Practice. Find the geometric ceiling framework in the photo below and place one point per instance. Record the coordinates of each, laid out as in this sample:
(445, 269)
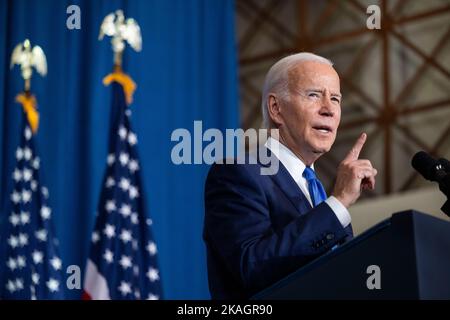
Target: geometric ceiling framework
(395, 81)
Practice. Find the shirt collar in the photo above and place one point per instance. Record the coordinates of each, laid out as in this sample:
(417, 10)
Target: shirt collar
(292, 163)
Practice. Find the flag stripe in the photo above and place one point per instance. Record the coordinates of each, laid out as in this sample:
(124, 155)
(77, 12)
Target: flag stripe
(95, 284)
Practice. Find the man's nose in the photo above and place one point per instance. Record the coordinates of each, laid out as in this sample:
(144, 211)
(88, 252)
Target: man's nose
(327, 107)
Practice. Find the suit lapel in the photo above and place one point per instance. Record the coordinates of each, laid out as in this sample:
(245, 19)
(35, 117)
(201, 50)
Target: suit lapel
(292, 191)
(289, 187)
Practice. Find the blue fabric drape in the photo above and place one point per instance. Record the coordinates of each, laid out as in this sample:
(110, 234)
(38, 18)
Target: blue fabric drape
(185, 72)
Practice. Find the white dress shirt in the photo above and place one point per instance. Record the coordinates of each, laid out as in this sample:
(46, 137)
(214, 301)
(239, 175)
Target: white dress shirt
(295, 167)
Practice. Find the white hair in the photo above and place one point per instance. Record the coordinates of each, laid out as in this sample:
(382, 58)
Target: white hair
(277, 79)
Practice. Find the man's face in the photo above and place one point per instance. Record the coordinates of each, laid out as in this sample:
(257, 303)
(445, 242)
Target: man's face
(311, 116)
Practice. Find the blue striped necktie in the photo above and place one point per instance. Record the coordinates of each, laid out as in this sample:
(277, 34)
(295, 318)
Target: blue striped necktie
(316, 190)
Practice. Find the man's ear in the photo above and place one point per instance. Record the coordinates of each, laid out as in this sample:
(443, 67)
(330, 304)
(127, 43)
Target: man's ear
(274, 109)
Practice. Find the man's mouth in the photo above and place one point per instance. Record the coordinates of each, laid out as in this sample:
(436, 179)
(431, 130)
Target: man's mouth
(323, 129)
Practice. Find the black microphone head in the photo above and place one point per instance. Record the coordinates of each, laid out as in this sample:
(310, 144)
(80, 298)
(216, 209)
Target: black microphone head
(445, 164)
(425, 165)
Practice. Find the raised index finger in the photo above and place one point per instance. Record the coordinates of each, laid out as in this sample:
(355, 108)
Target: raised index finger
(354, 152)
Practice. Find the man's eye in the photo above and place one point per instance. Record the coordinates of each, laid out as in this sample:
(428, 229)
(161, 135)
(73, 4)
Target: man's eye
(313, 94)
(336, 100)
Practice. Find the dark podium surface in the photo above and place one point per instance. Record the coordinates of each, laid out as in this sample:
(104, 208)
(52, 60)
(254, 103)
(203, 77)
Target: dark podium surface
(411, 249)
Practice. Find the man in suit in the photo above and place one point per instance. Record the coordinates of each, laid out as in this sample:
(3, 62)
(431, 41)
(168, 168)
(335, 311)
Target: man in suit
(259, 228)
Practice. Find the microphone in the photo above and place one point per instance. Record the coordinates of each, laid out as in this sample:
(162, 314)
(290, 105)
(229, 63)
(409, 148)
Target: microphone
(434, 170)
(430, 168)
(445, 164)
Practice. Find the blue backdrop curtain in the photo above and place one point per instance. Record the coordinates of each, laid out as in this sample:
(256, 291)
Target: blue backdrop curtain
(185, 72)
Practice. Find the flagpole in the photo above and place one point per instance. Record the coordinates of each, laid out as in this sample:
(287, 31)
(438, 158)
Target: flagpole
(118, 61)
(27, 87)
(122, 263)
(34, 266)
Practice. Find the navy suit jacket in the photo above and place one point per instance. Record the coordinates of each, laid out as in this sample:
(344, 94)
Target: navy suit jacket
(258, 229)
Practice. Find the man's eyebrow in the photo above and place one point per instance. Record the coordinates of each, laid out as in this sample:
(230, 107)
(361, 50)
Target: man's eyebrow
(321, 91)
(314, 90)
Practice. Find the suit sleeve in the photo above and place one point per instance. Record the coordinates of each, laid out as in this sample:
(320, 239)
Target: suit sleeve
(238, 228)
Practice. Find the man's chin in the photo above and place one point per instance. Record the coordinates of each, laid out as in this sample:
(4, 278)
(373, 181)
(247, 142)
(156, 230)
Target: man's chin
(321, 150)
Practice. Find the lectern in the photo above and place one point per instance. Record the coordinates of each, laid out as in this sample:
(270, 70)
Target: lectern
(409, 254)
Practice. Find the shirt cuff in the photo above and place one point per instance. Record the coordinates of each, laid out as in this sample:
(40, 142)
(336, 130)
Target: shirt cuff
(340, 211)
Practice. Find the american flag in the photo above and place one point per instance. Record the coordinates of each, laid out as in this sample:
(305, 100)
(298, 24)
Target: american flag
(123, 259)
(30, 265)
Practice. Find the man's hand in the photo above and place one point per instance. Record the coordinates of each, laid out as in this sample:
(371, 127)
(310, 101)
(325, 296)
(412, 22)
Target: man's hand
(354, 175)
